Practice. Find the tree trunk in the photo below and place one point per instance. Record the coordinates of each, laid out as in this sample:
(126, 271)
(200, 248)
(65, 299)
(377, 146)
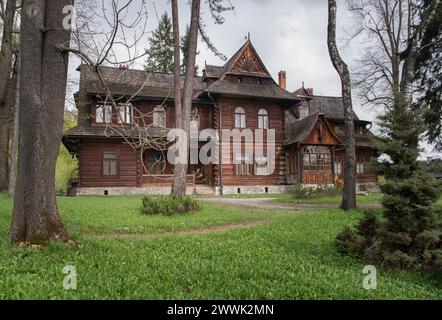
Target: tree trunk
(179, 186)
(349, 192)
(5, 75)
(14, 138)
(179, 170)
(43, 80)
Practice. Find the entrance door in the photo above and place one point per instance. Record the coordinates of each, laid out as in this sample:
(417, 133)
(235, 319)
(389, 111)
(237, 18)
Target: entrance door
(317, 165)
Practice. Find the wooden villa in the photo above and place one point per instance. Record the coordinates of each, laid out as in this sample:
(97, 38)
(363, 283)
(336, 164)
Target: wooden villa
(309, 131)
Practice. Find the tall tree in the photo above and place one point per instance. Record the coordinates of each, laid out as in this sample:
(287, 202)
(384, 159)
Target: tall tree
(184, 45)
(349, 192)
(179, 178)
(429, 77)
(409, 234)
(160, 53)
(43, 77)
(14, 137)
(179, 183)
(6, 55)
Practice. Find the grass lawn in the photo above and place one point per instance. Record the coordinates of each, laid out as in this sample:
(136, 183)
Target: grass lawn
(290, 198)
(123, 255)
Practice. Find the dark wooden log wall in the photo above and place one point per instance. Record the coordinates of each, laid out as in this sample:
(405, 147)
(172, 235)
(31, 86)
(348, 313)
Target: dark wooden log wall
(251, 107)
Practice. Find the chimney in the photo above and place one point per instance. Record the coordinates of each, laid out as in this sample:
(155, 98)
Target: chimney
(123, 67)
(309, 91)
(282, 79)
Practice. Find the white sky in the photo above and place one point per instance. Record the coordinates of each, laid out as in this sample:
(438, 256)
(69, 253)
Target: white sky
(289, 35)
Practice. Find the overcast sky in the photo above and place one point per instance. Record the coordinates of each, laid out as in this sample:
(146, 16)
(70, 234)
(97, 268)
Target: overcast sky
(289, 35)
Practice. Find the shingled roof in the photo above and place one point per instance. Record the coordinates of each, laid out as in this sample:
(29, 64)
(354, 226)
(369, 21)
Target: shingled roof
(271, 91)
(130, 82)
(213, 71)
(331, 107)
(245, 62)
(300, 129)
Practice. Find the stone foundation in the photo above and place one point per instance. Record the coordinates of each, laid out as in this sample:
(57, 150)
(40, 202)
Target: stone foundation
(129, 191)
(254, 189)
(367, 187)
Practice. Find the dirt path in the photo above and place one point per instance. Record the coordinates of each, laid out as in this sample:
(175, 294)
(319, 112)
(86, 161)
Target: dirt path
(274, 204)
(205, 230)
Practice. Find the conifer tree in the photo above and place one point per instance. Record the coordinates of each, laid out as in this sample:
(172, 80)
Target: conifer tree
(160, 52)
(407, 232)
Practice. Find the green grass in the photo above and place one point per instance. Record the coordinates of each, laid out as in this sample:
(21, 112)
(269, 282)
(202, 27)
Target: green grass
(291, 256)
(371, 198)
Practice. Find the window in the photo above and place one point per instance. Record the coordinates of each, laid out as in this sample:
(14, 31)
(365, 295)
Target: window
(159, 117)
(238, 80)
(194, 119)
(155, 162)
(261, 166)
(303, 112)
(338, 166)
(103, 113)
(240, 118)
(360, 165)
(126, 113)
(109, 163)
(259, 81)
(263, 119)
(243, 166)
(317, 158)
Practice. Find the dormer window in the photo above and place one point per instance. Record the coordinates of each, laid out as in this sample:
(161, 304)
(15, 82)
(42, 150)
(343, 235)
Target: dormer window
(303, 112)
(103, 113)
(159, 117)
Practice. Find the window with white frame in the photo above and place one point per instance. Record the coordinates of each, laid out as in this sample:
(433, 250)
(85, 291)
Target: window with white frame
(195, 119)
(243, 165)
(262, 166)
(263, 119)
(103, 113)
(240, 118)
(159, 117)
(360, 165)
(338, 166)
(126, 113)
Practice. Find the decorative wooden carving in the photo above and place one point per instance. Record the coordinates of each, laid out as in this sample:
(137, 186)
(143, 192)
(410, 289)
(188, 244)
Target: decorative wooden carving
(249, 62)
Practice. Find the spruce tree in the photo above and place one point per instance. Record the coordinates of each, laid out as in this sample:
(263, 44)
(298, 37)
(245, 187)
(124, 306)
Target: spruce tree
(408, 231)
(160, 52)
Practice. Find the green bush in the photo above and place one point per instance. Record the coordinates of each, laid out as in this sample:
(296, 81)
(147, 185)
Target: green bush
(168, 205)
(301, 192)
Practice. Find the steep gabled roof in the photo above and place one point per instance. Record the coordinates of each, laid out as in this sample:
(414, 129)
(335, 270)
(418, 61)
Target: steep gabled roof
(246, 61)
(300, 130)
